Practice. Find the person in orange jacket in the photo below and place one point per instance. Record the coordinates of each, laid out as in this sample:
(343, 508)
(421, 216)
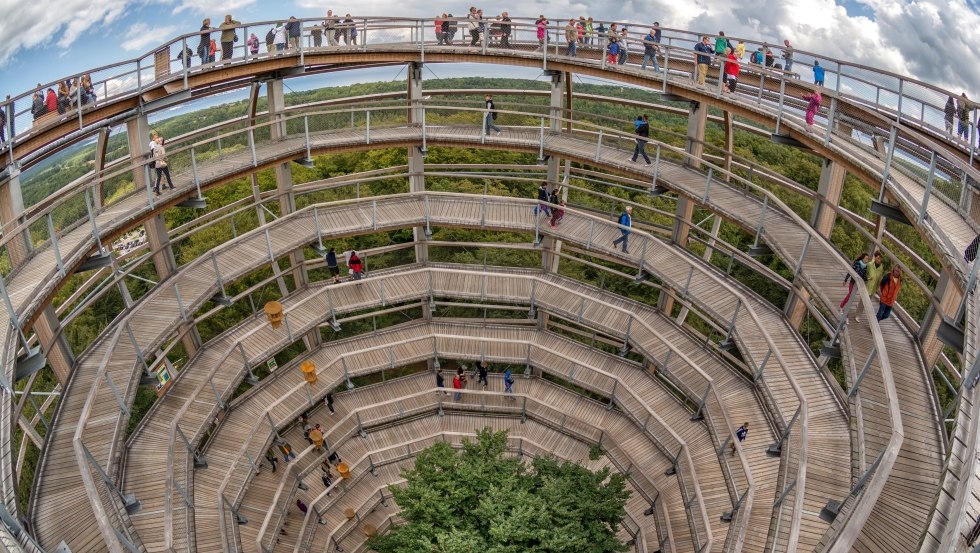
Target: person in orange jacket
(890, 285)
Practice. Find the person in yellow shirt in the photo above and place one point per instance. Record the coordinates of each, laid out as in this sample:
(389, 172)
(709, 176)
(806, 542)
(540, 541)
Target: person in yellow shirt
(228, 36)
(740, 50)
(876, 270)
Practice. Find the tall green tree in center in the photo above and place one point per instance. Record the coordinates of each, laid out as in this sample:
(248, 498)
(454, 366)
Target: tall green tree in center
(479, 500)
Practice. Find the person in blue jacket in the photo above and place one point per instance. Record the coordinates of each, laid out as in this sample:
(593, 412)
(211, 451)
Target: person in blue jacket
(626, 220)
(817, 73)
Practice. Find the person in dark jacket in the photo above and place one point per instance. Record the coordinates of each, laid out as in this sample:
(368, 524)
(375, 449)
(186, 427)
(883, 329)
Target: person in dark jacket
(543, 198)
(860, 266)
(332, 265)
(293, 31)
(38, 107)
(204, 46)
(505, 30)
(642, 133)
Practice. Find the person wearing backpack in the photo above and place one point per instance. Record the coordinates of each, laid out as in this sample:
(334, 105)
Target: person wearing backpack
(253, 44)
(3, 123)
(625, 222)
(642, 133)
(890, 286)
(860, 266)
(490, 116)
(270, 40)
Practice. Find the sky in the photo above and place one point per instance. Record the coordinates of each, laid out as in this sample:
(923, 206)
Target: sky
(927, 39)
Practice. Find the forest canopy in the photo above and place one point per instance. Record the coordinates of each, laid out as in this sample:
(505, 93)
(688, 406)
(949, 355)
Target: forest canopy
(480, 499)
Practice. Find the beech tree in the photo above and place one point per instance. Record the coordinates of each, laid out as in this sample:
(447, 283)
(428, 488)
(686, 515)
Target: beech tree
(480, 500)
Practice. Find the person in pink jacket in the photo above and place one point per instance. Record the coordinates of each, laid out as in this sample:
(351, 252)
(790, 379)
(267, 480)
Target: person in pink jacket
(813, 98)
(542, 25)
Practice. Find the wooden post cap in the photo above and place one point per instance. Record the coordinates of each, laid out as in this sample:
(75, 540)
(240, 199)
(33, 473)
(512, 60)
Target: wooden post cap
(369, 530)
(349, 513)
(273, 312)
(309, 371)
(344, 470)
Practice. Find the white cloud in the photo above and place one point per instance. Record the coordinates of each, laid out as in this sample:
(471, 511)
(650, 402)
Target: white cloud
(40, 22)
(215, 10)
(140, 36)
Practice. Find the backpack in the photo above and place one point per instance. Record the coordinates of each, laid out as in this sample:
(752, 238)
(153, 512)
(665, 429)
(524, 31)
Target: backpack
(756, 57)
(270, 37)
(971, 251)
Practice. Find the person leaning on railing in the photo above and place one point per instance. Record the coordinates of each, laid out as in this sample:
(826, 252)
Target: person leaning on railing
(228, 36)
(205, 44)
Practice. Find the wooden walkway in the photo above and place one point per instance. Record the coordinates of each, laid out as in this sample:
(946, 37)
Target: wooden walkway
(701, 447)
(347, 219)
(545, 426)
(526, 143)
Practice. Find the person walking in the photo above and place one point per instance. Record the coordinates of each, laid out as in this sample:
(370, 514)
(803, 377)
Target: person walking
(355, 265)
(860, 266)
(624, 51)
(203, 47)
(482, 368)
(740, 435)
(813, 105)
(949, 113)
(329, 401)
(160, 164)
(651, 47)
(891, 284)
(543, 199)
(253, 44)
(963, 110)
(703, 58)
(332, 265)
(557, 213)
(287, 451)
(509, 385)
(874, 272)
(490, 115)
(273, 460)
(626, 222)
(228, 36)
(302, 507)
(571, 37)
(642, 130)
(441, 382)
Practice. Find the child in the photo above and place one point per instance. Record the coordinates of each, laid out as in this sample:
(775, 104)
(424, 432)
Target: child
(612, 51)
(253, 44)
(557, 214)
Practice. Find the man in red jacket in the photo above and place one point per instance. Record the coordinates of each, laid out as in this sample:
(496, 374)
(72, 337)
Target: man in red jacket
(890, 285)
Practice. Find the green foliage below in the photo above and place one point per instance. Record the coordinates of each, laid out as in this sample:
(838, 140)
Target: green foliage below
(479, 499)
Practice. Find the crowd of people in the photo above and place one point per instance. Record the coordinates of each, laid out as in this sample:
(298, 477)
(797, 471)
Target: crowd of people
(879, 283)
(70, 94)
(481, 372)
